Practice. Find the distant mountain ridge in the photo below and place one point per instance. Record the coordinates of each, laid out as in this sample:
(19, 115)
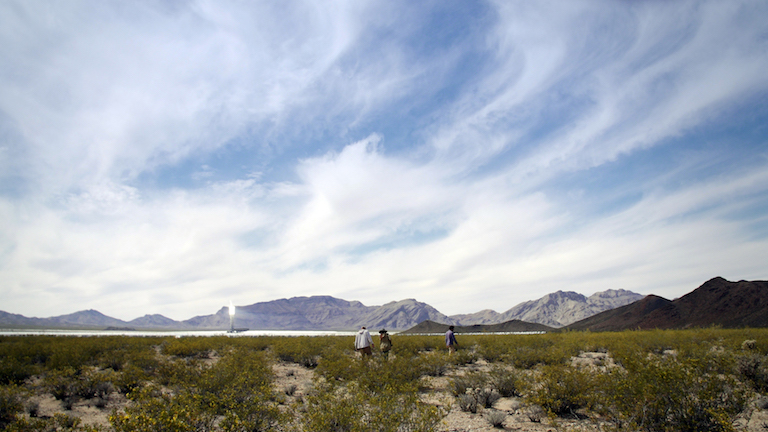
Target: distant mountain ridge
(297, 313)
(716, 302)
(330, 313)
(322, 313)
(505, 327)
(557, 309)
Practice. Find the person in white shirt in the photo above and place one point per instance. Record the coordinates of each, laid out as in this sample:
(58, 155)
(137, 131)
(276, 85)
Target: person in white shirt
(363, 342)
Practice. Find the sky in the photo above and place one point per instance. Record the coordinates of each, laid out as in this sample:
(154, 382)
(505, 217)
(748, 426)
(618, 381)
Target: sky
(170, 156)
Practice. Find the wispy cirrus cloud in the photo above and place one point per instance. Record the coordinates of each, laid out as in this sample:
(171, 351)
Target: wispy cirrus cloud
(161, 158)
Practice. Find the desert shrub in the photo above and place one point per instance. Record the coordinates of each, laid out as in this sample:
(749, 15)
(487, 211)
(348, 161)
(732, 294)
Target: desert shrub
(188, 347)
(470, 381)
(236, 390)
(179, 372)
(336, 365)
(353, 408)
(399, 374)
(666, 394)
(138, 367)
(233, 377)
(14, 371)
(753, 368)
(154, 410)
(496, 418)
(11, 403)
(123, 350)
(486, 397)
(463, 356)
(328, 408)
(504, 381)
(58, 423)
(146, 360)
(129, 379)
(62, 384)
(493, 348)
(433, 363)
(467, 403)
(562, 389)
(413, 345)
(94, 383)
(526, 357)
(69, 385)
(303, 350)
(373, 374)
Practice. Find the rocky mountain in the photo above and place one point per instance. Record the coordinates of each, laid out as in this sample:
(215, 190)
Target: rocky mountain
(16, 320)
(557, 309)
(505, 327)
(485, 316)
(716, 302)
(728, 304)
(297, 313)
(402, 315)
(321, 313)
(87, 318)
(155, 321)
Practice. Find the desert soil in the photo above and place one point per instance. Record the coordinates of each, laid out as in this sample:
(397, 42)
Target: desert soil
(296, 381)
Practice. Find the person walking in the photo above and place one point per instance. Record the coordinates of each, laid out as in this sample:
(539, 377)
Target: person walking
(450, 341)
(385, 343)
(363, 342)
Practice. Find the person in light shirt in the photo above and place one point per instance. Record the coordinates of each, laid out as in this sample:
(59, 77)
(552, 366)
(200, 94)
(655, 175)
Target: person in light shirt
(363, 342)
(450, 341)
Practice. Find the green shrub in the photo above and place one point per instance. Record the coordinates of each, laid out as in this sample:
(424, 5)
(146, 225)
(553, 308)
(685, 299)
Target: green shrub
(468, 403)
(562, 389)
(304, 350)
(236, 389)
(470, 381)
(463, 356)
(129, 379)
(335, 365)
(154, 411)
(496, 418)
(11, 403)
(58, 423)
(433, 363)
(505, 381)
(753, 368)
(188, 347)
(486, 397)
(14, 371)
(352, 408)
(665, 394)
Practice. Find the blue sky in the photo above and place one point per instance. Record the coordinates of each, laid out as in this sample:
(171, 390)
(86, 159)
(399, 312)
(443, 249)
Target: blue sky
(170, 157)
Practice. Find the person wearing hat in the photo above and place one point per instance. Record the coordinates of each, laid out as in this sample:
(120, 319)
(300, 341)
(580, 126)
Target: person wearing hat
(385, 343)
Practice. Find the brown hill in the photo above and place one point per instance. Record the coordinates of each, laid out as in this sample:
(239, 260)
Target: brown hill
(717, 302)
(505, 327)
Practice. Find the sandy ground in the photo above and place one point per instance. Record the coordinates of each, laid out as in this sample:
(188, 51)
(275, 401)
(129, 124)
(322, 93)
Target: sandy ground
(295, 381)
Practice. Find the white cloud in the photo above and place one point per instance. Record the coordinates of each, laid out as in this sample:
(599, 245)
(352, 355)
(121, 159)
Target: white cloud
(94, 101)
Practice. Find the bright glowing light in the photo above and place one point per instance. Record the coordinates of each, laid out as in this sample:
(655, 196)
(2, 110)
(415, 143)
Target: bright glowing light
(231, 309)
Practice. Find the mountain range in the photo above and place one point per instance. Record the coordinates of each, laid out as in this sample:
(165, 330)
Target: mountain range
(330, 313)
(716, 302)
(558, 309)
